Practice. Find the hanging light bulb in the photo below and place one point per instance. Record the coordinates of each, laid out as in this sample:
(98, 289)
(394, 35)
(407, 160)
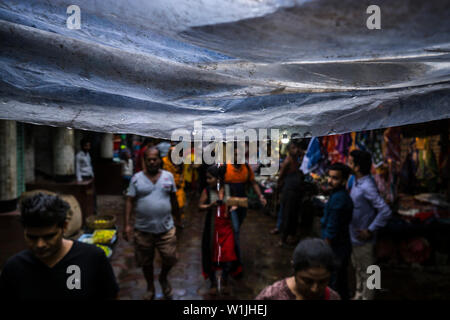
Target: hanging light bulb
(285, 138)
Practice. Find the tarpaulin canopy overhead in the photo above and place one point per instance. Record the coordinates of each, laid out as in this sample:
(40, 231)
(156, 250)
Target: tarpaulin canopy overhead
(149, 67)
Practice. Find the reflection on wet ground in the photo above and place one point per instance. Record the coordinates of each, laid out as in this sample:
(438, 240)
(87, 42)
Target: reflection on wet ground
(264, 263)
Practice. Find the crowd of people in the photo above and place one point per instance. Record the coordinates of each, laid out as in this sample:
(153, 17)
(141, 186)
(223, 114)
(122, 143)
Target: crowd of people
(155, 200)
(353, 214)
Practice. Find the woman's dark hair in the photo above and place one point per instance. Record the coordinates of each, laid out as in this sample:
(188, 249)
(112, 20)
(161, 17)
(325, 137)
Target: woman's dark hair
(43, 210)
(124, 153)
(299, 143)
(83, 142)
(342, 168)
(216, 172)
(363, 160)
(147, 141)
(311, 253)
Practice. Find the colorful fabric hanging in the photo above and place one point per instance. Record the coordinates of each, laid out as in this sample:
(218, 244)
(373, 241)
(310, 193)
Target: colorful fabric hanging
(408, 170)
(312, 157)
(330, 145)
(392, 140)
(427, 169)
(375, 147)
(362, 140)
(343, 146)
(353, 146)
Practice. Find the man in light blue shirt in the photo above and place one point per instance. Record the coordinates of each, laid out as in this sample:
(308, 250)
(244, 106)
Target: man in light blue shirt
(370, 213)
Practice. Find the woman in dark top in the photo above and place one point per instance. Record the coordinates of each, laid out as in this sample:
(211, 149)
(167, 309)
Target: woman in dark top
(290, 180)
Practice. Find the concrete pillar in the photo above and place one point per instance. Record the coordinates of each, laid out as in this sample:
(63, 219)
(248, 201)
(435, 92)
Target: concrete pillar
(8, 165)
(107, 146)
(29, 154)
(63, 154)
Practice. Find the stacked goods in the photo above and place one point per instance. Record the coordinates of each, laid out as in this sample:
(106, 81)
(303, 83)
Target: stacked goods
(104, 236)
(107, 250)
(101, 222)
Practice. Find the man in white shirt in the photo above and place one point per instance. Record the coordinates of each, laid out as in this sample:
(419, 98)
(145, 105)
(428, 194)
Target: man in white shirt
(151, 197)
(83, 166)
(127, 168)
(83, 163)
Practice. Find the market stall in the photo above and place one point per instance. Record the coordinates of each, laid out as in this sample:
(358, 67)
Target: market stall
(101, 231)
(410, 168)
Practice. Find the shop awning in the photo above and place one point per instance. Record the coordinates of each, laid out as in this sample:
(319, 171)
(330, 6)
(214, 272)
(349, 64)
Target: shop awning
(149, 67)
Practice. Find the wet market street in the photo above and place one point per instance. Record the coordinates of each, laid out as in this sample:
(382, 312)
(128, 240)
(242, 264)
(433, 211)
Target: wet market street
(264, 263)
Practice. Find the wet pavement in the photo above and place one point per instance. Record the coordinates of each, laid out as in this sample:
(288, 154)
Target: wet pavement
(264, 262)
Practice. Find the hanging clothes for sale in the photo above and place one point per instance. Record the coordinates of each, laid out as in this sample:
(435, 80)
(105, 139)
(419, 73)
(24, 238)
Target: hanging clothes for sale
(375, 147)
(392, 161)
(407, 176)
(353, 146)
(312, 156)
(444, 164)
(343, 146)
(427, 169)
(392, 144)
(362, 139)
(383, 181)
(330, 144)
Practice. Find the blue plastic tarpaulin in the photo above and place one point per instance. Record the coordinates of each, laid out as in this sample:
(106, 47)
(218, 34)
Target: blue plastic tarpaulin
(150, 67)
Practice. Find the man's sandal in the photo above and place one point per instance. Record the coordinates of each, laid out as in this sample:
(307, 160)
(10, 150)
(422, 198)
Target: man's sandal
(149, 295)
(166, 289)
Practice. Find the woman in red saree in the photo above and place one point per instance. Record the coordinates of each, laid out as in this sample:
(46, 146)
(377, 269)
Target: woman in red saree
(218, 245)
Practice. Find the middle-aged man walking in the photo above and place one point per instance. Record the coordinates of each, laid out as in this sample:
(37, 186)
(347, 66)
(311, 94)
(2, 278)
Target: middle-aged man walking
(335, 226)
(152, 193)
(370, 213)
(52, 267)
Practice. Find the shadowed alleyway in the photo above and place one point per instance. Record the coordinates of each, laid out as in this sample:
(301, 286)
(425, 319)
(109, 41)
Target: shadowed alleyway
(264, 263)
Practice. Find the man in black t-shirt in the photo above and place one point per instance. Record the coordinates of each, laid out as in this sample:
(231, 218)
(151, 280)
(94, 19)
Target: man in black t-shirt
(54, 267)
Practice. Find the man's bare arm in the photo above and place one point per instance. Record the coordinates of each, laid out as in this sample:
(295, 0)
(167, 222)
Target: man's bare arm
(129, 204)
